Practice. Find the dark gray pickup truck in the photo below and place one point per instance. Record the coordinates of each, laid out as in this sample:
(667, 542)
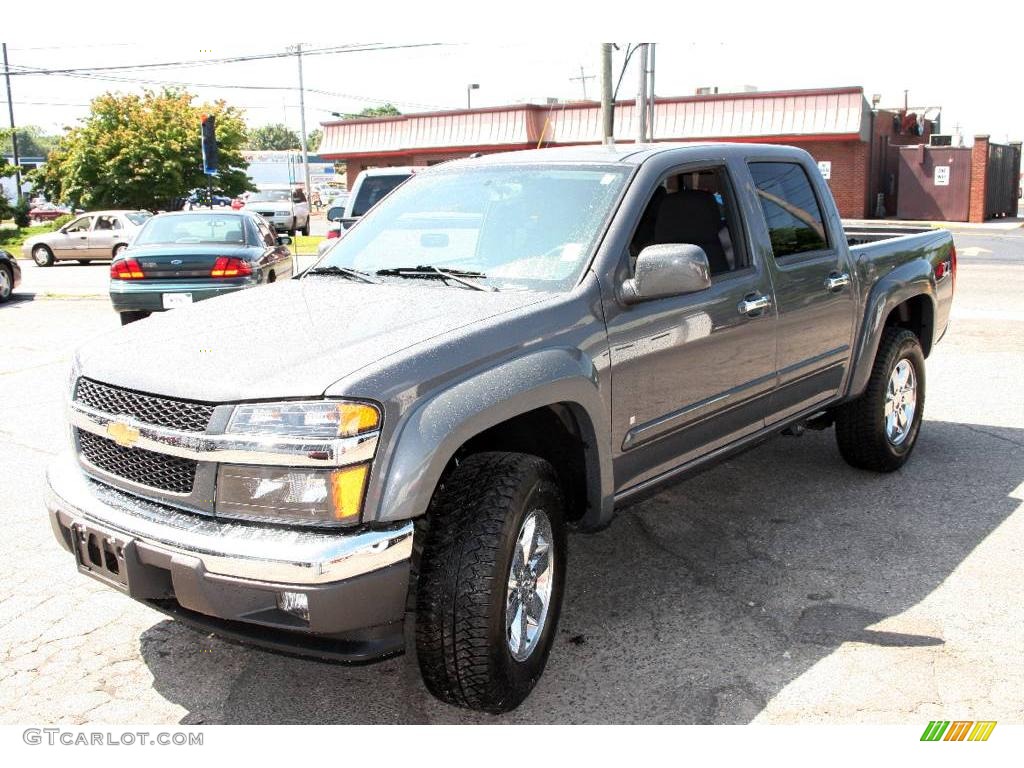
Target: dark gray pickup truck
(504, 348)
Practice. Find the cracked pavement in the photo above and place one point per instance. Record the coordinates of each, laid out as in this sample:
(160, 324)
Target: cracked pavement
(781, 586)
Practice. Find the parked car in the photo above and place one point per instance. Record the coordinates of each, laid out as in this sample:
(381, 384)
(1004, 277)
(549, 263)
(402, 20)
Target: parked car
(508, 345)
(184, 257)
(286, 209)
(10, 275)
(47, 212)
(96, 235)
(371, 186)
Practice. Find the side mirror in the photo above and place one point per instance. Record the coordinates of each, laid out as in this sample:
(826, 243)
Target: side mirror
(335, 213)
(670, 269)
(284, 240)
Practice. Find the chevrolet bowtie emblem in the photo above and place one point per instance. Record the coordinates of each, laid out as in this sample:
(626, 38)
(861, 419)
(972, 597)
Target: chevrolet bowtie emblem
(123, 434)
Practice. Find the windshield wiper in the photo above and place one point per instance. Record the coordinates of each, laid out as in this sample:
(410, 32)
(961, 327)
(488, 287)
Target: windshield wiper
(343, 272)
(429, 271)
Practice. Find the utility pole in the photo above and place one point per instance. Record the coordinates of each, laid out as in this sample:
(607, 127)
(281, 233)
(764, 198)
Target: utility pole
(14, 133)
(607, 128)
(469, 94)
(650, 92)
(302, 121)
(641, 98)
(583, 81)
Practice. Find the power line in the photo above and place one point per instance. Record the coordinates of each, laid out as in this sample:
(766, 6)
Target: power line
(26, 70)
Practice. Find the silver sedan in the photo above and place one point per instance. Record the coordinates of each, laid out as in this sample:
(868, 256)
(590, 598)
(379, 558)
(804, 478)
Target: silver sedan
(96, 235)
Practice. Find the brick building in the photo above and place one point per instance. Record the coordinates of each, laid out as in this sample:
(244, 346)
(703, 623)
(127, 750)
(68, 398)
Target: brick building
(836, 126)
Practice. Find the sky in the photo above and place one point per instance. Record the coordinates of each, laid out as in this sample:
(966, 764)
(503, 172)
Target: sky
(942, 64)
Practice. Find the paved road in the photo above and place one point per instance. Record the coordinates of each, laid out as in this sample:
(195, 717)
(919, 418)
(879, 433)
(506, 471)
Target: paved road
(781, 586)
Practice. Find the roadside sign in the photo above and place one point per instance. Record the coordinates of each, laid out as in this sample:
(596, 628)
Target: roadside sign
(941, 175)
(825, 166)
(209, 139)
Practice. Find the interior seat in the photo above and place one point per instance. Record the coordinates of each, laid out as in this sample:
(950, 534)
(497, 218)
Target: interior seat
(692, 216)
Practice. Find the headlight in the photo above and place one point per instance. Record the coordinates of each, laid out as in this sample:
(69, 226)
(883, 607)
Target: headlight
(291, 494)
(297, 494)
(323, 419)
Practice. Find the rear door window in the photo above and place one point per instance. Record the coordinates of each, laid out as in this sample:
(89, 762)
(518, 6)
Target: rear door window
(372, 190)
(791, 209)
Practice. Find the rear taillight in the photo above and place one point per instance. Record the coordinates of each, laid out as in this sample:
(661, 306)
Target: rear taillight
(126, 269)
(333, 233)
(229, 266)
(952, 264)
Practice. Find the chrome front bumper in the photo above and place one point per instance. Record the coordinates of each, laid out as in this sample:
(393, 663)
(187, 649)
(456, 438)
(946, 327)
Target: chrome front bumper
(225, 548)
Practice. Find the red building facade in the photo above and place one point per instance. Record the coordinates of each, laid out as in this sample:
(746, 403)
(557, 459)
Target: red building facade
(835, 125)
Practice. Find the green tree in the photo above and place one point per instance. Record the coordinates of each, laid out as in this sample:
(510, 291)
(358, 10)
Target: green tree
(32, 141)
(314, 139)
(276, 136)
(387, 110)
(142, 152)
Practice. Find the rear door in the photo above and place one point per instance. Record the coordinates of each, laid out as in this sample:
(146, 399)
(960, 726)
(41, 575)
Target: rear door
(102, 236)
(814, 292)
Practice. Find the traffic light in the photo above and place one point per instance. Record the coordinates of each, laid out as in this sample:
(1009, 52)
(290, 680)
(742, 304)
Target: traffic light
(209, 132)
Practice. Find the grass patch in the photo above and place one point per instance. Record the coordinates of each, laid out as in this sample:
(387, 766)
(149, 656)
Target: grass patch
(304, 245)
(15, 238)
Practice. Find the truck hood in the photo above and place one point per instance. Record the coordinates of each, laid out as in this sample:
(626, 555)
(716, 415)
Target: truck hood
(285, 340)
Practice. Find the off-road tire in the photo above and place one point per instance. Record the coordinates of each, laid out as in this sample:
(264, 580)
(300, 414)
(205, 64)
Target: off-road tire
(860, 423)
(133, 315)
(474, 521)
(42, 256)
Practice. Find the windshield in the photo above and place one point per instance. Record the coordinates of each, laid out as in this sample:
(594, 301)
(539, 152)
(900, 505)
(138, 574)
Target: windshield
(193, 228)
(138, 219)
(270, 196)
(527, 227)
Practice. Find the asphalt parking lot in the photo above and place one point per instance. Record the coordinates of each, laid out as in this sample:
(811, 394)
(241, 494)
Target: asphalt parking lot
(781, 586)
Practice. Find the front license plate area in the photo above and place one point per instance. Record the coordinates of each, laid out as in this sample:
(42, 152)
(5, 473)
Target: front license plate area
(101, 555)
(172, 300)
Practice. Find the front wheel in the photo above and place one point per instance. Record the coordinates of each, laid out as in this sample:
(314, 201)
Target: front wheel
(491, 578)
(42, 256)
(305, 227)
(879, 429)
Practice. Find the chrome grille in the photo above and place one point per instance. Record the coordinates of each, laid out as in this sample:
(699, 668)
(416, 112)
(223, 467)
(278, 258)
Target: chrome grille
(149, 409)
(156, 470)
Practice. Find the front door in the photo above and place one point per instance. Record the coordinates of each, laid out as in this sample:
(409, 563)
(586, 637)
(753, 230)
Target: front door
(691, 373)
(814, 290)
(73, 241)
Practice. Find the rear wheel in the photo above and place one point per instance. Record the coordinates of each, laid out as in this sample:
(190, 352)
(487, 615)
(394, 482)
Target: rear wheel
(878, 430)
(6, 283)
(42, 256)
(133, 315)
(491, 579)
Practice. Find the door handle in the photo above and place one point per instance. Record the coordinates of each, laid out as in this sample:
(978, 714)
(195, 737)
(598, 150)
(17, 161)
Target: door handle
(753, 304)
(836, 282)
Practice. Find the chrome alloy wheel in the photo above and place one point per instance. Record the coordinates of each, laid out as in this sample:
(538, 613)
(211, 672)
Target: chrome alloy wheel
(529, 585)
(5, 283)
(40, 255)
(900, 402)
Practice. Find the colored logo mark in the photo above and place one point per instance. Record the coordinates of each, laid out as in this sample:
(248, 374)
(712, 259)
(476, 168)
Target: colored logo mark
(958, 730)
